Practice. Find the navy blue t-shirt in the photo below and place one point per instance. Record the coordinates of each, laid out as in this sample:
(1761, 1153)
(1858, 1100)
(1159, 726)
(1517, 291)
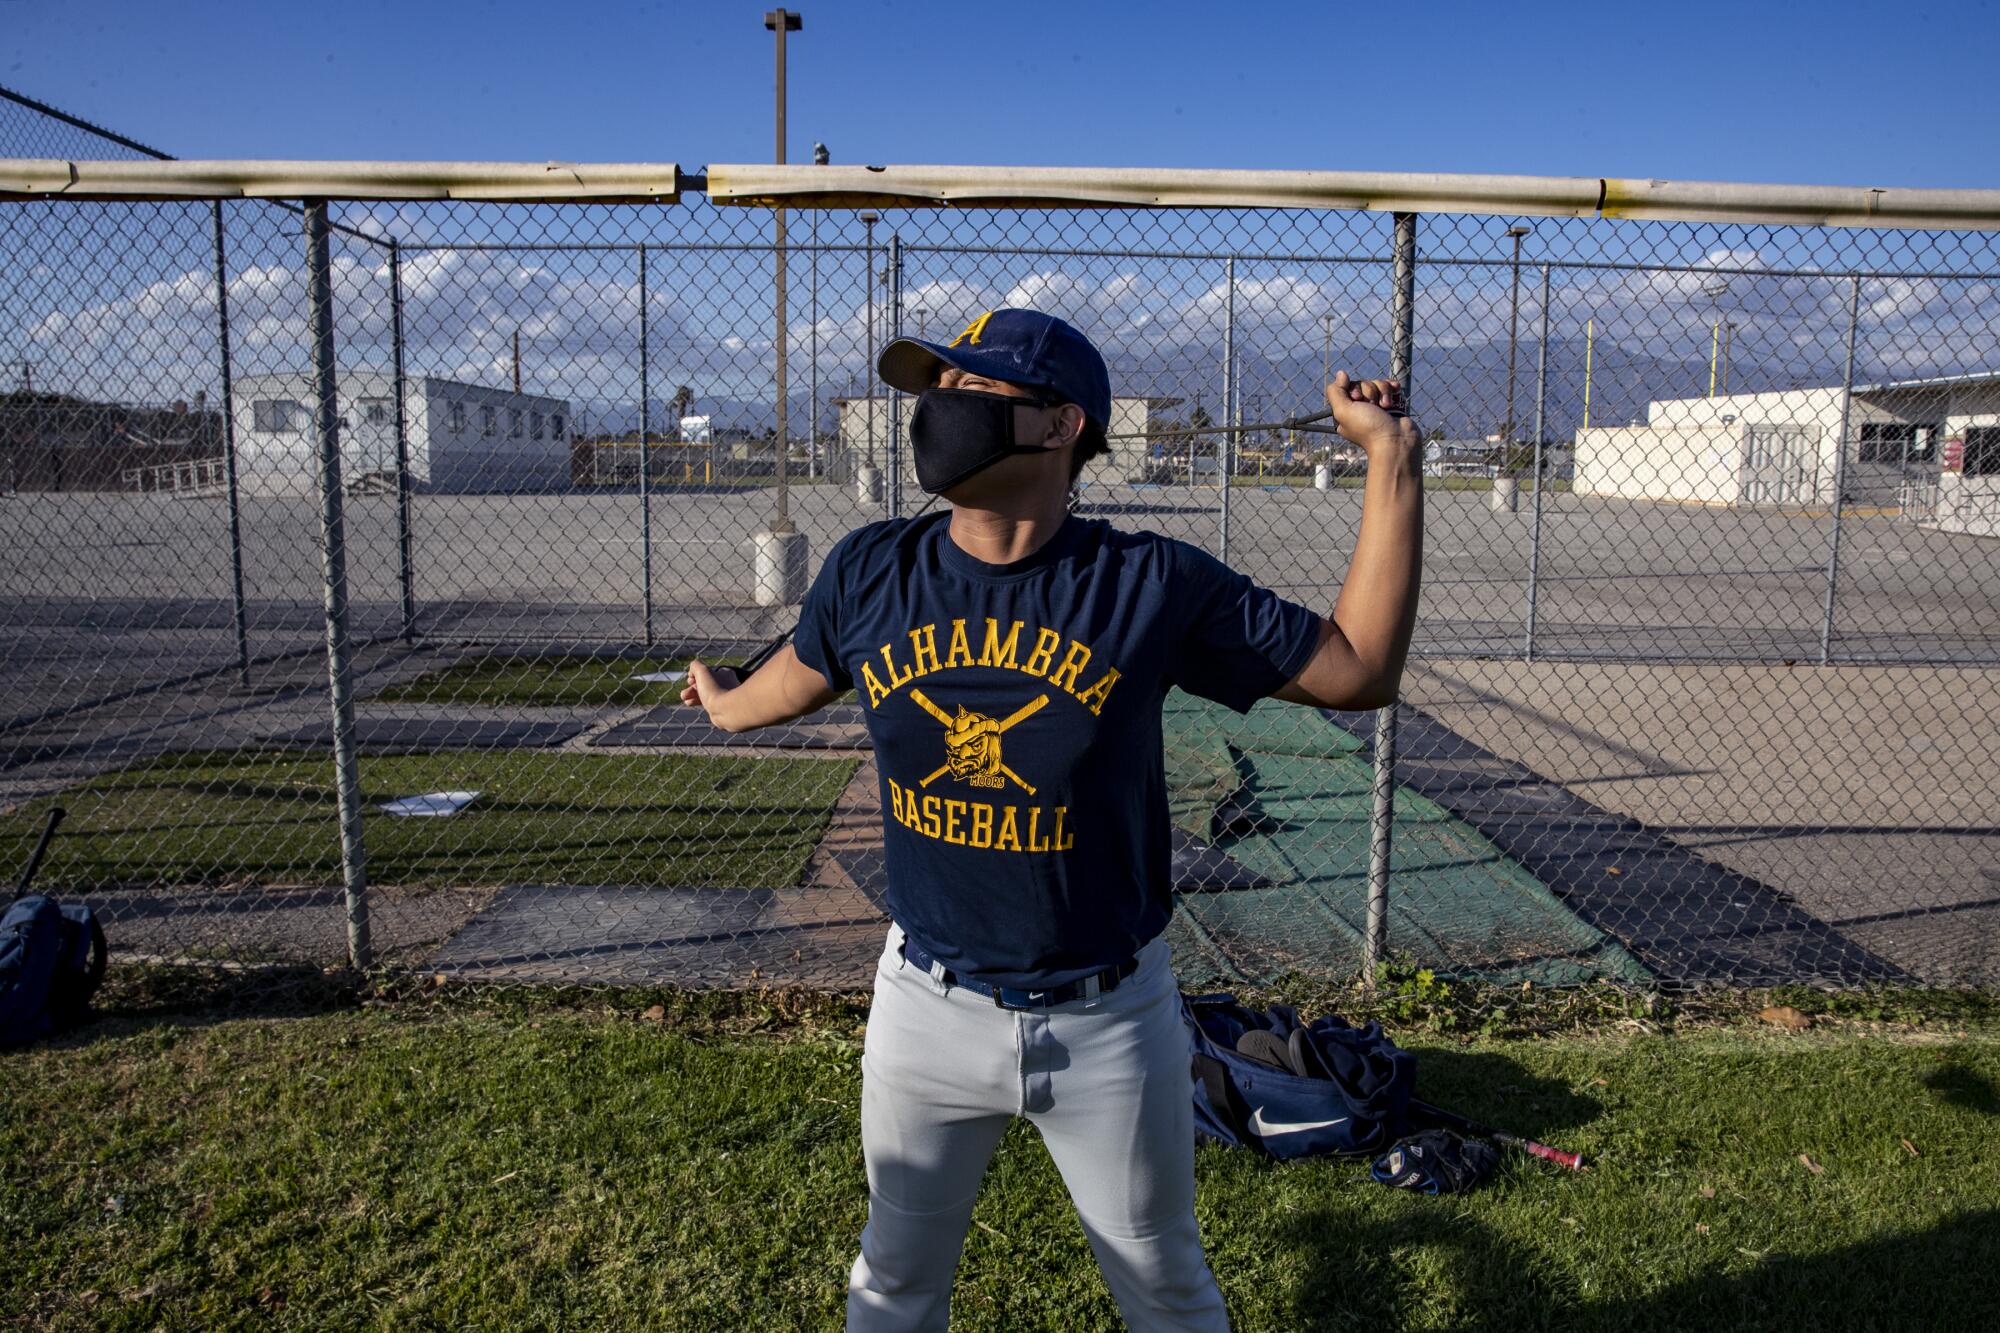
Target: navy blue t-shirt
(1015, 712)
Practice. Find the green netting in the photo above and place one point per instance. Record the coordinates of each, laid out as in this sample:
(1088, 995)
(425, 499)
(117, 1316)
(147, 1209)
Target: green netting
(1299, 795)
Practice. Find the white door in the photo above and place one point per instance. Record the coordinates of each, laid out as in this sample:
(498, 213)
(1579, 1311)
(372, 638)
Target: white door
(1779, 465)
(371, 435)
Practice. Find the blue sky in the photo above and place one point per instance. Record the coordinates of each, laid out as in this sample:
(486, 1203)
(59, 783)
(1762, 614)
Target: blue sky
(1826, 93)
(1830, 92)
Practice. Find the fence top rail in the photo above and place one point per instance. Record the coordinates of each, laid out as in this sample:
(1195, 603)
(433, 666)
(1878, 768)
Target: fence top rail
(495, 182)
(1401, 192)
(762, 185)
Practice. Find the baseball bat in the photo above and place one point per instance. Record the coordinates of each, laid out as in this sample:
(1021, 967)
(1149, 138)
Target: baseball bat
(762, 655)
(1449, 1120)
(35, 857)
(1307, 423)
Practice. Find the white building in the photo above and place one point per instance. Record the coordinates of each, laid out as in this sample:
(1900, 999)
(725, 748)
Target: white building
(460, 437)
(1959, 415)
(864, 435)
(1487, 457)
(1931, 447)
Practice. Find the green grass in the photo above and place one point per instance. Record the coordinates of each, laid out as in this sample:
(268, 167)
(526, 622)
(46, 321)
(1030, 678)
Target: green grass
(540, 818)
(480, 1169)
(555, 682)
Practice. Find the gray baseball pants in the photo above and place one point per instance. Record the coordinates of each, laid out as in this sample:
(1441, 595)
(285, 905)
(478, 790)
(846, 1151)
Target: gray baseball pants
(942, 1074)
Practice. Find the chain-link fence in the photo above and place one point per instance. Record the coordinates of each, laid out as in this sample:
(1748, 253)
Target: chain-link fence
(347, 573)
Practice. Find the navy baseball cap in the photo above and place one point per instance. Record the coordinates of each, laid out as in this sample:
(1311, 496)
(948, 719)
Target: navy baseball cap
(1023, 347)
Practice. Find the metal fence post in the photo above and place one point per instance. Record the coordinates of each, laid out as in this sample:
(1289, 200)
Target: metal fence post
(1541, 478)
(229, 455)
(1840, 472)
(1230, 417)
(333, 558)
(895, 402)
(1375, 944)
(645, 456)
(405, 569)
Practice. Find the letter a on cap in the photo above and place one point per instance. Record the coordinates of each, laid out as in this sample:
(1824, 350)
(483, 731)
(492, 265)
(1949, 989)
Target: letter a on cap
(972, 331)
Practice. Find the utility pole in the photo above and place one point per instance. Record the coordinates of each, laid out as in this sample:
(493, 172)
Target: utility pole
(1513, 324)
(781, 553)
(1326, 360)
(517, 360)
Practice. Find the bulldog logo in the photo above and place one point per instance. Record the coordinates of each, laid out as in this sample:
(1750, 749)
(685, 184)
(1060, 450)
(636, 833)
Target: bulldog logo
(972, 744)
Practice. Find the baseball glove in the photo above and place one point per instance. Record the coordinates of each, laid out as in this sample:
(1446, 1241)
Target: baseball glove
(1436, 1161)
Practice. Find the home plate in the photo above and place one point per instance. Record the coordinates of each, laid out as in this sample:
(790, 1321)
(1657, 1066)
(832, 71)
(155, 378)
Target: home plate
(658, 676)
(431, 803)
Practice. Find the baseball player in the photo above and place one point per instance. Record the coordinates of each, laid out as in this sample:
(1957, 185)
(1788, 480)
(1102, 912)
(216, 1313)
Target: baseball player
(1011, 659)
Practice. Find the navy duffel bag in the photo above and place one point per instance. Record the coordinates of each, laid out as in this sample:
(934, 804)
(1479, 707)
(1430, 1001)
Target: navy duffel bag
(51, 961)
(1289, 1089)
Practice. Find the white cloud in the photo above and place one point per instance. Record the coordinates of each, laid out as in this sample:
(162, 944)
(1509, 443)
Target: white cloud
(1160, 321)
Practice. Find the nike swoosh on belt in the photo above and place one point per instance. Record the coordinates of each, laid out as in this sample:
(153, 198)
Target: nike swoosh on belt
(1265, 1127)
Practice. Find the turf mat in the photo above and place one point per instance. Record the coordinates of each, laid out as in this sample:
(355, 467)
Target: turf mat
(1288, 795)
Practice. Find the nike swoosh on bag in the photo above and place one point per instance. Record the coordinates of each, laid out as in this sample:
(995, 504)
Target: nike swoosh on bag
(1265, 1128)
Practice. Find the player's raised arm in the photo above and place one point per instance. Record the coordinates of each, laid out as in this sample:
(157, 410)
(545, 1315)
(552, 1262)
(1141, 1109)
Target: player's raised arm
(1359, 661)
(781, 690)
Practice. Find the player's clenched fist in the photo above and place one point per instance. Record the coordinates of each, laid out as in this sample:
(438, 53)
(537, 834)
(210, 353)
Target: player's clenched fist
(1370, 413)
(706, 687)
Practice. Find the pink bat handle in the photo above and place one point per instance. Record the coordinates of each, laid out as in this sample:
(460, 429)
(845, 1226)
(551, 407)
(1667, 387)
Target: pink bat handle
(1572, 1160)
(1452, 1120)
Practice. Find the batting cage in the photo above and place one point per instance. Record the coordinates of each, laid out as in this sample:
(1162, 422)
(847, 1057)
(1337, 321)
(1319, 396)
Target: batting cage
(360, 522)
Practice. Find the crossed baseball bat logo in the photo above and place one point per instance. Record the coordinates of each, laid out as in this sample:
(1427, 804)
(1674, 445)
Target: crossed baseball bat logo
(972, 743)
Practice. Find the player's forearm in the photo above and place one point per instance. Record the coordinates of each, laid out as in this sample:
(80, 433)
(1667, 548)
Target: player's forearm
(782, 690)
(1377, 610)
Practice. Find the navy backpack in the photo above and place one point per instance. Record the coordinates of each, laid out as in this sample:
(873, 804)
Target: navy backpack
(1353, 1096)
(52, 959)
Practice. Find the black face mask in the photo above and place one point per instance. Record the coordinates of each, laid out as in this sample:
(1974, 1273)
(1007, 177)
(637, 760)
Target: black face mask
(957, 432)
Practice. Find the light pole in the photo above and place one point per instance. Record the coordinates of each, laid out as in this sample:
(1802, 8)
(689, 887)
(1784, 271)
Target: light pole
(1326, 358)
(1714, 289)
(781, 552)
(780, 22)
(1513, 325)
(1589, 353)
(868, 281)
(820, 158)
